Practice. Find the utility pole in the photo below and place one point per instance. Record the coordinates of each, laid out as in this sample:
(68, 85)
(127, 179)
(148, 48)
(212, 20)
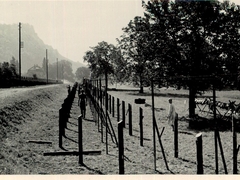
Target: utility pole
(57, 69)
(63, 73)
(47, 65)
(20, 44)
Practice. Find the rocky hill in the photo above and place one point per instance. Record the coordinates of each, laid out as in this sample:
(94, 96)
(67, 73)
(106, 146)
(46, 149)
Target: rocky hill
(33, 51)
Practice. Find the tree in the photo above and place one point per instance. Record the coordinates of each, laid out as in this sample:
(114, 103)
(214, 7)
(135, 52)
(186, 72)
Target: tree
(228, 41)
(122, 72)
(101, 59)
(67, 71)
(135, 45)
(193, 42)
(82, 72)
(91, 58)
(14, 65)
(6, 71)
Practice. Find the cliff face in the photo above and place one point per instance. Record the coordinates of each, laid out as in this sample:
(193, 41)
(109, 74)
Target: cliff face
(33, 51)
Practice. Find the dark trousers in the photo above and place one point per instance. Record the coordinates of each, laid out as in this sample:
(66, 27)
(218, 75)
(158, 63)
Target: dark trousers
(83, 110)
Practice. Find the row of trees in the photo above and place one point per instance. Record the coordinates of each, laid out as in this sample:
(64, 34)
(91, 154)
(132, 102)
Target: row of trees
(82, 72)
(57, 70)
(61, 70)
(8, 70)
(183, 43)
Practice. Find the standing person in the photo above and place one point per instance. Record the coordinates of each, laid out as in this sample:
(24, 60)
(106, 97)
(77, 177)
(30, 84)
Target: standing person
(171, 114)
(79, 89)
(82, 102)
(69, 89)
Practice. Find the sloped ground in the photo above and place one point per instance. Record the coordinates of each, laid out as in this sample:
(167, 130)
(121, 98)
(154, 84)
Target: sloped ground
(32, 114)
(27, 114)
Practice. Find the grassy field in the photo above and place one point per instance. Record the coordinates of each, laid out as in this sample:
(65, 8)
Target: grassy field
(32, 114)
(186, 163)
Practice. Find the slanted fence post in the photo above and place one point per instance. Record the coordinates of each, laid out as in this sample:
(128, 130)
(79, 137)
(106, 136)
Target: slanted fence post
(199, 153)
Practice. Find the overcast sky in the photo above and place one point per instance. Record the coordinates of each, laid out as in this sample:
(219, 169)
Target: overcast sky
(72, 27)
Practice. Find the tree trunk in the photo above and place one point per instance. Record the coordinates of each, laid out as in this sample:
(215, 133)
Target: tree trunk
(141, 84)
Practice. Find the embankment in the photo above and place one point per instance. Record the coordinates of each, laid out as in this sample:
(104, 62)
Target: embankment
(22, 112)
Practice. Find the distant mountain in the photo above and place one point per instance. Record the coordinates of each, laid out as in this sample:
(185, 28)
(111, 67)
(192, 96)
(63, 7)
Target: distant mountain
(33, 51)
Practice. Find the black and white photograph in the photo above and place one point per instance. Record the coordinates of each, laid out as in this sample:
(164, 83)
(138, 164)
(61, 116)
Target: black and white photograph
(129, 88)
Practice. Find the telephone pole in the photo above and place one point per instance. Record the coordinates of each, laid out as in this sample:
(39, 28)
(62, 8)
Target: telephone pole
(47, 65)
(20, 46)
(63, 73)
(57, 69)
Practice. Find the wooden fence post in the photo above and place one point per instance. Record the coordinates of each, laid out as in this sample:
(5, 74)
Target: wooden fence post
(80, 146)
(64, 117)
(98, 116)
(110, 104)
(106, 120)
(113, 107)
(199, 153)
(61, 127)
(123, 113)
(97, 107)
(141, 125)
(234, 136)
(176, 136)
(103, 100)
(130, 119)
(154, 125)
(101, 112)
(120, 147)
(118, 111)
(106, 101)
(215, 130)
